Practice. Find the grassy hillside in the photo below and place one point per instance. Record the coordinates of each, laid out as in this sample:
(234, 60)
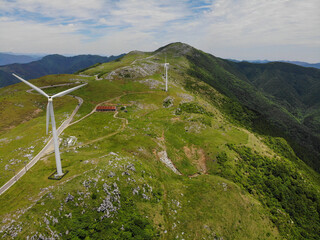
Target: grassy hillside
(277, 99)
(168, 165)
(294, 87)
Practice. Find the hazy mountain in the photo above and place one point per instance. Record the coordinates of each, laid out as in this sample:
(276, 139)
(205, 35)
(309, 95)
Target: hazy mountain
(305, 64)
(299, 63)
(6, 58)
(51, 64)
(218, 156)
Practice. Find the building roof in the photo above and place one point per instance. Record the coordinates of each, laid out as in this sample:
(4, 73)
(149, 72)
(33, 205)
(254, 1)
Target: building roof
(106, 108)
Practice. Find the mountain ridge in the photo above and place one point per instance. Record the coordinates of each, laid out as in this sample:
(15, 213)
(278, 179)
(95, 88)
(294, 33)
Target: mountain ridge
(299, 63)
(6, 58)
(50, 64)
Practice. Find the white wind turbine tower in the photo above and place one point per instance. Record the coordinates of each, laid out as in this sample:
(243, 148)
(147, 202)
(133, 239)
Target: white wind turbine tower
(166, 65)
(53, 122)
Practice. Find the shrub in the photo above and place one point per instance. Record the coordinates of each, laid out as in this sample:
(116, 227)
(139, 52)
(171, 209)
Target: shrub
(222, 158)
(192, 107)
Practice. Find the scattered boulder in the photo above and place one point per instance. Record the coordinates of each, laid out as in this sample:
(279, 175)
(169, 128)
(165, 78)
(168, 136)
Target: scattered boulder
(146, 197)
(168, 102)
(125, 173)
(69, 198)
(111, 204)
(111, 174)
(131, 167)
(135, 191)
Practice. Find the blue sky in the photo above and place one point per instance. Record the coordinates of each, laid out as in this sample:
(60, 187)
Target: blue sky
(239, 29)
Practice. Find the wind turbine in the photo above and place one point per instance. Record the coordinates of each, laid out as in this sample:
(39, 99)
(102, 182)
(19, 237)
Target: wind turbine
(53, 122)
(166, 65)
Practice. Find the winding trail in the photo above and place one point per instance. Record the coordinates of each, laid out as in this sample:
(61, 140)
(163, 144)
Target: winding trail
(49, 146)
(124, 123)
(108, 101)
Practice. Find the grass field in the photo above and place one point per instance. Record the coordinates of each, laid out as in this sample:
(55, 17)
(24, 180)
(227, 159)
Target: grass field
(149, 201)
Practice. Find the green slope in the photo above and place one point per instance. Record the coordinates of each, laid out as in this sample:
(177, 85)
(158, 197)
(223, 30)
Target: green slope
(280, 99)
(232, 183)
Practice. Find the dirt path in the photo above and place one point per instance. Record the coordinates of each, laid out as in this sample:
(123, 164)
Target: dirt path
(139, 59)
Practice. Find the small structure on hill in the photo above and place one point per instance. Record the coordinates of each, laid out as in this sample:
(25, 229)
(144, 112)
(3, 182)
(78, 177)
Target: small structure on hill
(106, 109)
(70, 141)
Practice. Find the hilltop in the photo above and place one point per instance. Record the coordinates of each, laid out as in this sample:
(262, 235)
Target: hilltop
(201, 161)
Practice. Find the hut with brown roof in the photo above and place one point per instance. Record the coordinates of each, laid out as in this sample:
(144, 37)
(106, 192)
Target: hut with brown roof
(106, 109)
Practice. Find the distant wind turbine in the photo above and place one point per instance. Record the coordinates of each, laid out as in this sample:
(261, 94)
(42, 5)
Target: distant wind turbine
(53, 122)
(166, 65)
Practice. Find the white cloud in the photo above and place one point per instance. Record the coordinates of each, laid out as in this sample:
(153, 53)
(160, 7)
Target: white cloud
(21, 36)
(145, 15)
(255, 25)
(80, 9)
(227, 28)
(265, 22)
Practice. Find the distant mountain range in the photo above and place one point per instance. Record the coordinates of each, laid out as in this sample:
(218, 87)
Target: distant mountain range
(6, 58)
(303, 64)
(51, 64)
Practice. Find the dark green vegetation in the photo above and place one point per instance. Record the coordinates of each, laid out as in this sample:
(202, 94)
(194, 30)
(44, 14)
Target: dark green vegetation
(279, 186)
(51, 64)
(192, 108)
(189, 163)
(277, 99)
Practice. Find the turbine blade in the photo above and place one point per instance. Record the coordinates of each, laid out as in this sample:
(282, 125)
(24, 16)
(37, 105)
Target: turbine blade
(67, 91)
(48, 117)
(31, 85)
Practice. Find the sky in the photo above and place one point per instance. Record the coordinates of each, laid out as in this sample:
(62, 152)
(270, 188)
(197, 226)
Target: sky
(237, 29)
